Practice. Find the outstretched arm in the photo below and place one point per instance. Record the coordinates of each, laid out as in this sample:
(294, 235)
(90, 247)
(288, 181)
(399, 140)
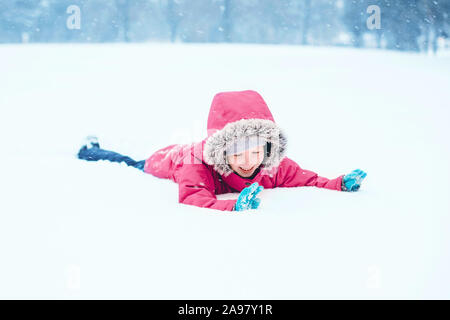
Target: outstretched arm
(196, 187)
(291, 175)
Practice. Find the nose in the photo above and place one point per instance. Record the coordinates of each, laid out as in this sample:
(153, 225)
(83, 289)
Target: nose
(246, 162)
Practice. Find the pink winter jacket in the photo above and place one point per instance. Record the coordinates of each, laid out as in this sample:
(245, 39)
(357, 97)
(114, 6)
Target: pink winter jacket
(201, 171)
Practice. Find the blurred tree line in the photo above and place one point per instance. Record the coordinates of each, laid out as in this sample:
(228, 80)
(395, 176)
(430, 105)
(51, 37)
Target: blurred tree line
(414, 25)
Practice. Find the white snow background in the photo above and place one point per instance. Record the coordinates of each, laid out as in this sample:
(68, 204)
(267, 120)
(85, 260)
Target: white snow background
(73, 229)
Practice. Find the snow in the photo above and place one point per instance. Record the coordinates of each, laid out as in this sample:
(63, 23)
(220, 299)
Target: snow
(77, 229)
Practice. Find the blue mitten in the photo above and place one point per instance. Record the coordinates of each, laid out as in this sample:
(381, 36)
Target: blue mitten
(247, 198)
(352, 181)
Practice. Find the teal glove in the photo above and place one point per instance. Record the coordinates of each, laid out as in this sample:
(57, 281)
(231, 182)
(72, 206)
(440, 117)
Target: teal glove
(247, 198)
(352, 181)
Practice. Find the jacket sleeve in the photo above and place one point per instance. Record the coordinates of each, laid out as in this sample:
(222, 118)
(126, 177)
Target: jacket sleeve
(291, 175)
(196, 187)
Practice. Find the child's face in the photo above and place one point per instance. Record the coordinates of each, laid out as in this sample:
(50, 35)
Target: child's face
(245, 163)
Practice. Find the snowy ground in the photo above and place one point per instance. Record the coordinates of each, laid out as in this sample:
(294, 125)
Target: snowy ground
(74, 229)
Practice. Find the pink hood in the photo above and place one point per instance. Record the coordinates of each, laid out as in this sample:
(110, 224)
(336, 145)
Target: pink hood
(237, 114)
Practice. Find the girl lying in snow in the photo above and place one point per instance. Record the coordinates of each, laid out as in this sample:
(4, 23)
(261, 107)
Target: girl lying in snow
(244, 152)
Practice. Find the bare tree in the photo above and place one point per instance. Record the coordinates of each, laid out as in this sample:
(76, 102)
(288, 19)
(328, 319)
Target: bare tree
(227, 20)
(306, 19)
(123, 6)
(173, 19)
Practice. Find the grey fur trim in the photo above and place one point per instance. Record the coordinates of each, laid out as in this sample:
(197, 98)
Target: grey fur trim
(216, 144)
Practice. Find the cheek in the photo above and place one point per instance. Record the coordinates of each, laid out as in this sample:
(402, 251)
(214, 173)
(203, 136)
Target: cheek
(257, 159)
(260, 159)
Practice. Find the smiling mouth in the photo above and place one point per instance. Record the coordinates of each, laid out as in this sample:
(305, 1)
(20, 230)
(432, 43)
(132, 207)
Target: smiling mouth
(246, 171)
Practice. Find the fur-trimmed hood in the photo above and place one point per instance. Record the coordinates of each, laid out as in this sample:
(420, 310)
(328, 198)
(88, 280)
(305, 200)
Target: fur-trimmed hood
(238, 114)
